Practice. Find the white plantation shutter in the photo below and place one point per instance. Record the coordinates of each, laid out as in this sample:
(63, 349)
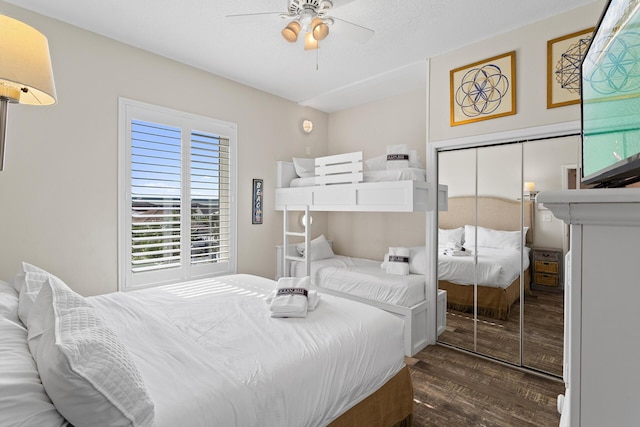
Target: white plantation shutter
(177, 185)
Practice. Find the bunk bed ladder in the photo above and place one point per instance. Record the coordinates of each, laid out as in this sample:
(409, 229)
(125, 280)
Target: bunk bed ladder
(285, 241)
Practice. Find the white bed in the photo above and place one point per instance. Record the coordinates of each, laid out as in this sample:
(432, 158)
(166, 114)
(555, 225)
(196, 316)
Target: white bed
(338, 183)
(201, 353)
(495, 267)
(363, 278)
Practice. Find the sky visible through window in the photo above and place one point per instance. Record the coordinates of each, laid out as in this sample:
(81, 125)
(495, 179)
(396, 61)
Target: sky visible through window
(156, 162)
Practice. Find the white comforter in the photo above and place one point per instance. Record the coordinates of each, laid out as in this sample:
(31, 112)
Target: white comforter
(211, 355)
(495, 268)
(364, 278)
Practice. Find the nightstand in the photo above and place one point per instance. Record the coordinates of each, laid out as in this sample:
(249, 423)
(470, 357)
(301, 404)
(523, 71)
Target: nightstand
(546, 269)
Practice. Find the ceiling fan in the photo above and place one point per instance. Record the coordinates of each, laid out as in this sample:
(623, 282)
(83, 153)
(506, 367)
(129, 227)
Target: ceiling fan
(311, 18)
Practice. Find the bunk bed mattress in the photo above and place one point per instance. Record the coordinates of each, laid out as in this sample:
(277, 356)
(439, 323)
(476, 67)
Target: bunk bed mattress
(197, 348)
(363, 278)
(495, 267)
(404, 174)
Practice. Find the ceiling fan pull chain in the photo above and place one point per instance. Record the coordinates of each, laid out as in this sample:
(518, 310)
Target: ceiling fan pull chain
(317, 55)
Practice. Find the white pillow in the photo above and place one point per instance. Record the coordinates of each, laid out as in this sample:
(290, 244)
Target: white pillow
(9, 302)
(450, 235)
(397, 156)
(305, 168)
(85, 369)
(490, 238)
(319, 248)
(30, 281)
(376, 163)
(23, 400)
(418, 260)
(414, 160)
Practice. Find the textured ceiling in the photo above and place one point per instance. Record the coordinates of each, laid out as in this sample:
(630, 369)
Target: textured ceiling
(252, 52)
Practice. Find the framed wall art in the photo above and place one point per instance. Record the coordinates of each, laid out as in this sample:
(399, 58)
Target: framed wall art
(484, 90)
(564, 56)
(256, 202)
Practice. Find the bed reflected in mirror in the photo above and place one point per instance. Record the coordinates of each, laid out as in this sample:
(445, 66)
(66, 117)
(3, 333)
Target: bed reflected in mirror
(498, 273)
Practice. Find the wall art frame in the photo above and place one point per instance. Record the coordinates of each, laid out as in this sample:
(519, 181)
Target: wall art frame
(564, 56)
(257, 202)
(483, 90)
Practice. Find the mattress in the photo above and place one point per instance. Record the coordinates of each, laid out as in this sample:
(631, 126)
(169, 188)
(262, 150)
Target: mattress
(210, 354)
(405, 174)
(364, 278)
(495, 267)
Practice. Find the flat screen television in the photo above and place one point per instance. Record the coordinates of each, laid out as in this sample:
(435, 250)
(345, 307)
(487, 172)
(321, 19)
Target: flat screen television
(610, 89)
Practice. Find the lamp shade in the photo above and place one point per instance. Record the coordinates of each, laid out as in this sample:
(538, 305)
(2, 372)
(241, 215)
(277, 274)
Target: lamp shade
(319, 28)
(291, 31)
(309, 42)
(26, 75)
(529, 186)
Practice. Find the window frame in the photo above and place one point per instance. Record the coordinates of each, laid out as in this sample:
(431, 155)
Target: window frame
(129, 110)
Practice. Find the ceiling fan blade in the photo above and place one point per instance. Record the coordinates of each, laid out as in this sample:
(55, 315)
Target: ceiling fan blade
(353, 31)
(254, 17)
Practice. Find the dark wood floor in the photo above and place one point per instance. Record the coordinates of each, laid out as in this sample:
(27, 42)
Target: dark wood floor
(542, 333)
(452, 388)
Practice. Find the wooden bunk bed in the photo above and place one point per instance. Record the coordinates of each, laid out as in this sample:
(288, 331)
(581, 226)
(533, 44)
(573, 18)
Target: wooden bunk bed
(494, 213)
(341, 187)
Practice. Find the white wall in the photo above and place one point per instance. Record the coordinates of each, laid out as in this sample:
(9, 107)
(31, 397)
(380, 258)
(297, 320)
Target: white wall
(530, 45)
(370, 128)
(59, 187)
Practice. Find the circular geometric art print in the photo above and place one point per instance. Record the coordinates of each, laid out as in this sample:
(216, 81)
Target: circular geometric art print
(481, 90)
(618, 70)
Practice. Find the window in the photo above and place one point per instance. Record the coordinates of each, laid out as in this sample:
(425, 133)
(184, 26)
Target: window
(177, 196)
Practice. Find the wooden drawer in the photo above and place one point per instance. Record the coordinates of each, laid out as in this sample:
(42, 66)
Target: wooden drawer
(546, 279)
(547, 267)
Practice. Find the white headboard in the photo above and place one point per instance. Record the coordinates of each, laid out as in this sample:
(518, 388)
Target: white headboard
(285, 173)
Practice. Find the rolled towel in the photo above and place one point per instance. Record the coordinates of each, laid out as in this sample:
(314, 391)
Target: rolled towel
(397, 156)
(398, 261)
(456, 252)
(291, 296)
(313, 298)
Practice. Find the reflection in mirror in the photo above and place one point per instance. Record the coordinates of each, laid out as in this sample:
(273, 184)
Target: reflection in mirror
(516, 314)
(499, 251)
(458, 171)
(550, 164)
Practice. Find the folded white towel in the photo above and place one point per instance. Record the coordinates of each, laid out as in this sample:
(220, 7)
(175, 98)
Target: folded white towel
(398, 261)
(290, 298)
(454, 245)
(456, 252)
(313, 298)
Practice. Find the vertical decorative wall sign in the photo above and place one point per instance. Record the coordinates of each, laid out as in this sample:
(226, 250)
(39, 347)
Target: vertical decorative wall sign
(256, 203)
(484, 90)
(564, 56)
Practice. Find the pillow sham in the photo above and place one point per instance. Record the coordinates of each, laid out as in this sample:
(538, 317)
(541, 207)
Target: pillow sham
(23, 400)
(9, 298)
(490, 238)
(450, 235)
(85, 369)
(319, 248)
(30, 281)
(305, 168)
(397, 156)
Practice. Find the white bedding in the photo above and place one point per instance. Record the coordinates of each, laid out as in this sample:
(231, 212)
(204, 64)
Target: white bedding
(363, 278)
(496, 267)
(404, 174)
(203, 363)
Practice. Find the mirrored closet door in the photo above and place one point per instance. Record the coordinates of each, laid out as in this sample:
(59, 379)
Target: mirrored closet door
(500, 254)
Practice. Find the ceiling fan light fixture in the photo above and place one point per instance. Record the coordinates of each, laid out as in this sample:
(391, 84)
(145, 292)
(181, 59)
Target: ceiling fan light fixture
(291, 31)
(309, 42)
(319, 28)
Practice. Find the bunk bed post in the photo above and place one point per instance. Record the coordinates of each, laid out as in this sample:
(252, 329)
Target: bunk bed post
(307, 240)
